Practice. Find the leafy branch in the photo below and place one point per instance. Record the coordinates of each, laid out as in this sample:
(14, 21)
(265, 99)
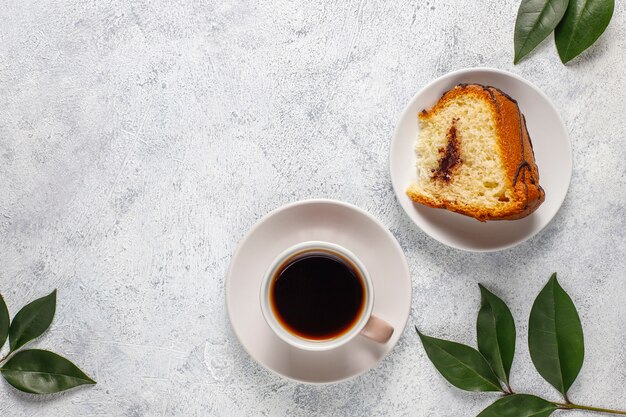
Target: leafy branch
(35, 371)
(577, 24)
(555, 341)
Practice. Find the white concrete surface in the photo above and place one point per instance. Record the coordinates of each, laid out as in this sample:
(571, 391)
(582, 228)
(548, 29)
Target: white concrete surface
(139, 141)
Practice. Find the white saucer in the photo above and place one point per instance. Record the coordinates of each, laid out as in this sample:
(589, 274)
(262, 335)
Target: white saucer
(335, 222)
(553, 154)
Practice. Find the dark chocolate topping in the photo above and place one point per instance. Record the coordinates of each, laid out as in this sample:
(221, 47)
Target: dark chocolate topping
(521, 166)
(493, 97)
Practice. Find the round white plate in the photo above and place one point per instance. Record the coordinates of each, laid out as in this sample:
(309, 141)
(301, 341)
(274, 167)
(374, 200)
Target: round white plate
(335, 222)
(553, 154)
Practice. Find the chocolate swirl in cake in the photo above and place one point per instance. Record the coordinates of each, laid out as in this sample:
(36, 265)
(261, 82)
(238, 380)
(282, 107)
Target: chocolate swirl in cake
(451, 155)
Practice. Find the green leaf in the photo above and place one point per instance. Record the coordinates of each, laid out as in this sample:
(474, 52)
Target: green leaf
(496, 333)
(42, 372)
(463, 366)
(4, 322)
(519, 405)
(555, 337)
(536, 19)
(582, 25)
(32, 320)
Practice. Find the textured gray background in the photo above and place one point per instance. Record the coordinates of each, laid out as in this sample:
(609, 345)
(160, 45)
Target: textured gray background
(139, 141)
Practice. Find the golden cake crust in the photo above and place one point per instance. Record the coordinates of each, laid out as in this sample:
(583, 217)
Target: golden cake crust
(515, 150)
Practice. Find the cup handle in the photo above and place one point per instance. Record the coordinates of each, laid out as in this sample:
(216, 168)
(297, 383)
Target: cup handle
(377, 330)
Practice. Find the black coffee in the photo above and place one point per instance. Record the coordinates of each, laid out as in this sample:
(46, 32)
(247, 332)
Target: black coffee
(317, 294)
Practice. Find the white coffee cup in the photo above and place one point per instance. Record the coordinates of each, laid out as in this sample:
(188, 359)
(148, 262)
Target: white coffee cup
(366, 324)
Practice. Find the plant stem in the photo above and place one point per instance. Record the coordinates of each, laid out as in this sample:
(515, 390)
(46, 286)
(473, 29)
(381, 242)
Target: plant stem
(5, 357)
(571, 406)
